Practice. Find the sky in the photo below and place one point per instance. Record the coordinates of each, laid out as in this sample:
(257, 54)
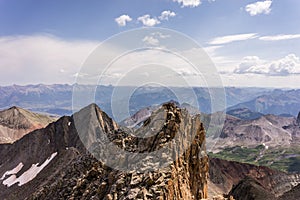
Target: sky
(251, 43)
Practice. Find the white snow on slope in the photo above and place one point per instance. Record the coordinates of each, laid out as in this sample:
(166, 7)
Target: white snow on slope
(30, 174)
(13, 171)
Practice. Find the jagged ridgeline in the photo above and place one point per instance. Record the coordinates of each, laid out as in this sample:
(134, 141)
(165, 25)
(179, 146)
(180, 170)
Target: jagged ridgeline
(71, 172)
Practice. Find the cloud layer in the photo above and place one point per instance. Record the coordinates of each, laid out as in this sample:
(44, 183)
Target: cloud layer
(41, 59)
(232, 38)
(260, 7)
(288, 65)
(241, 37)
(279, 37)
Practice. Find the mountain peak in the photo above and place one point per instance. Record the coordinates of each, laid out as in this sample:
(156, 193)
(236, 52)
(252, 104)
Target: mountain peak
(14, 109)
(15, 122)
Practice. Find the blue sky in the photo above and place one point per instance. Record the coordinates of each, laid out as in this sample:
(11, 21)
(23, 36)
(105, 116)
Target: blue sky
(252, 43)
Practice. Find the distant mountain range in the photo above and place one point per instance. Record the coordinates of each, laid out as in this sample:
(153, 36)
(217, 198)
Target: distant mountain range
(277, 102)
(56, 99)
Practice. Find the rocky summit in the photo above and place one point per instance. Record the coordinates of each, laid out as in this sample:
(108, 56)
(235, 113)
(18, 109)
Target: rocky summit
(53, 163)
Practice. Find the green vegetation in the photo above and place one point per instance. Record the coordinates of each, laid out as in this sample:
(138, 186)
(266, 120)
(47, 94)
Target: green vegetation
(287, 160)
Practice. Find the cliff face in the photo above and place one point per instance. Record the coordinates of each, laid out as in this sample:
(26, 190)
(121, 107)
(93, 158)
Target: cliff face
(298, 119)
(74, 173)
(190, 171)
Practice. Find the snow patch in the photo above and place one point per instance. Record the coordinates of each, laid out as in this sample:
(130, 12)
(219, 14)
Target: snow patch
(266, 146)
(13, 171)
(30, 174)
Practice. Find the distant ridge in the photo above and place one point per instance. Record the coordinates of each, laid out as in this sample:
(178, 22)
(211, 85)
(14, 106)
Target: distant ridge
(277, 102)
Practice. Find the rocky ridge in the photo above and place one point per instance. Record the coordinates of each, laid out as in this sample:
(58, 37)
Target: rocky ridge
(73, 173)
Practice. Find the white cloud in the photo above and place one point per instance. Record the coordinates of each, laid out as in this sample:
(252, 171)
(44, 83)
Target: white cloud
(41, 59)
(151, 40)
(260, 7)
(232, 38)
(166, 14)
(187, 72)
(123, 19)
(148, 21)
(188, 3)
(224, 64)
(154, 39)
(279, 37)
(211, 50)
(160, 35)
(288, 65)
(252, 64)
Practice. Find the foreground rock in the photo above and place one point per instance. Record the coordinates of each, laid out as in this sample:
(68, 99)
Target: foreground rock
(69, 172)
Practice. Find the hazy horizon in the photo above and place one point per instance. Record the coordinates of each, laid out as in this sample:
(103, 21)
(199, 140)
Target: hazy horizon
(109, 85)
